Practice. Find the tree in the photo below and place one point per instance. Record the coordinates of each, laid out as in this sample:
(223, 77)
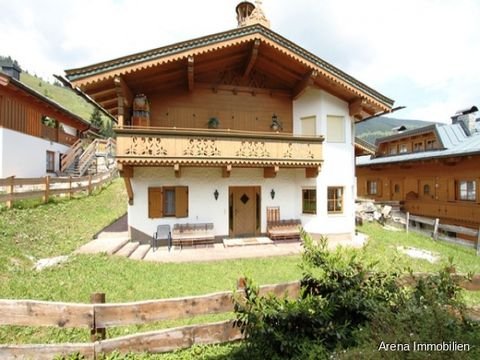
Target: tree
(96, 119)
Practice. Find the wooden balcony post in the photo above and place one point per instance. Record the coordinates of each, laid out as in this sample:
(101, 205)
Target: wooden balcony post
(10, 188)
(47, 189)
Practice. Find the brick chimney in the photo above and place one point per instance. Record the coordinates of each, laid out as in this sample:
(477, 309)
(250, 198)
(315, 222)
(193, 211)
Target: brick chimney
(466, 118)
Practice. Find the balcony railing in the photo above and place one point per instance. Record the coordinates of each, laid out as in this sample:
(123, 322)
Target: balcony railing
(50, 133)
(160, 146)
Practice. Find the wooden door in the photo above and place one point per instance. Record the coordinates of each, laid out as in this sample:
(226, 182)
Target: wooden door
(244, 210)
(396, 190)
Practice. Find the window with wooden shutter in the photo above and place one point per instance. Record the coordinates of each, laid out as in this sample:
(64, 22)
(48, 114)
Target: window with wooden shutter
(155, 202)
(181, 201)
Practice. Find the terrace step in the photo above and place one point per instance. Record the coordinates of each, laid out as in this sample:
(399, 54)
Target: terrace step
(109, 245)
(128, 249)
(140, 252)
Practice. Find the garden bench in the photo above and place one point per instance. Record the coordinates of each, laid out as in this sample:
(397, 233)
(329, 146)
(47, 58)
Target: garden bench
(282, 229)
(193, 234)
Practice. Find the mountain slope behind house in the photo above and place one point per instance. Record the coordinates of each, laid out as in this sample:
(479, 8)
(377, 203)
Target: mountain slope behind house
(63, 96)
(382, 126)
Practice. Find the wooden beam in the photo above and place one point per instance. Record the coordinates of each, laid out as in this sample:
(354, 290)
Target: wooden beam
(178, 172)
(107, 103)
(226, 171)
(252, 58)
(103, 93)
(124, 90)
(270, 172)
(126, 172)
(357, 110)
(312, 172)
(303, 84)
(190, 74)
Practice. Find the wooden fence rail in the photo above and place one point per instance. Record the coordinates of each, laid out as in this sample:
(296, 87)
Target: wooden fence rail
(435, 223)
(94, 316)
(51, 186)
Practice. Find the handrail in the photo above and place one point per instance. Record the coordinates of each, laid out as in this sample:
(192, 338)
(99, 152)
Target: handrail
(71, 155)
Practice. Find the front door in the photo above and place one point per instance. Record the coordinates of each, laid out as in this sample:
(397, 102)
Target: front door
(396, 190)
(244, 211)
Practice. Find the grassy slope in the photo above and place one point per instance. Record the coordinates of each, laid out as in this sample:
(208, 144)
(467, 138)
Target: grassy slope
(61, 95)
(24, 234)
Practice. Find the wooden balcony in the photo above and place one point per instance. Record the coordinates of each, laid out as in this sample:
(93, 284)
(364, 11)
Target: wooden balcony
(66, 139)
(201, 147)
(49, 133)
(455, 211)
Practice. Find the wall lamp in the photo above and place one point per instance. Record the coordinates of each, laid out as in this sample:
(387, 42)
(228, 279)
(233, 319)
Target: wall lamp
(215, 194)
(272, 194)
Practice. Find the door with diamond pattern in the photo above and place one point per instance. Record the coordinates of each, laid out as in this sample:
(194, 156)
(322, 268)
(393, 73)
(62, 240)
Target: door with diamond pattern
(244, 208)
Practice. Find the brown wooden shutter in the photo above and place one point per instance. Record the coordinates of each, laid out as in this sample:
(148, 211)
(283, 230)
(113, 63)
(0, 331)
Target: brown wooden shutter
(155, 202)
(451, 190)
(181, 201)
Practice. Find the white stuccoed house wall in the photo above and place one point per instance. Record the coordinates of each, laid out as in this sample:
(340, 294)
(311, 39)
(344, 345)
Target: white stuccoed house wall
(337, 170)
(22, 155)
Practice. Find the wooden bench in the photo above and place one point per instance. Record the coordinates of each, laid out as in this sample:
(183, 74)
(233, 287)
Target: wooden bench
(193, 234)
(282, 229)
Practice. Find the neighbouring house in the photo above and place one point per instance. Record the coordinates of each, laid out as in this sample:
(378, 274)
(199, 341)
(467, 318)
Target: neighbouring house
(35, 131)
(434, 170)
(221, 128)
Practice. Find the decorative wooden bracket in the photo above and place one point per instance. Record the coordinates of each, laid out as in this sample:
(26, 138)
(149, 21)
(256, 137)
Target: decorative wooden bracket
(252, 59)
(126, 172)
(191, 80)
(303, 84)
(270, 172)
(226, 171)
(178, 171)
(356, 109)
(312, 172)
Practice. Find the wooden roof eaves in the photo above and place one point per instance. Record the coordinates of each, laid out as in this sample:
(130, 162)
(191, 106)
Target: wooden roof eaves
(227, 39)
(7, 80)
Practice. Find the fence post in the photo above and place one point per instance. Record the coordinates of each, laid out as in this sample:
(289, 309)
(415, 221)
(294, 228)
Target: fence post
(10, 188)
(477, 245)
(407, 221)
(47, 189)
(89, 184)
(97, 333)
(435, 229)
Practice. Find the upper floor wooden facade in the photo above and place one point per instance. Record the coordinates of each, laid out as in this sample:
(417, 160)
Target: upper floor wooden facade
(24, 110)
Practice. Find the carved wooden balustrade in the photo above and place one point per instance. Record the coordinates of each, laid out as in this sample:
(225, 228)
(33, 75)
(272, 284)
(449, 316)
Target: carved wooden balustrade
(161, 146)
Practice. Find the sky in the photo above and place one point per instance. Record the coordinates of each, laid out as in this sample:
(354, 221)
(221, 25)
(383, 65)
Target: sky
(424, 54)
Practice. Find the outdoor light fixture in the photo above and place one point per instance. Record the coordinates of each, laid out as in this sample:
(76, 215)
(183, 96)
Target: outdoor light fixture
(272, 194)
(276, 124)
(215, 194)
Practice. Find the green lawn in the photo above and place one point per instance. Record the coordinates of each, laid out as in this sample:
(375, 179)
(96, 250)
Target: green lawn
(29, 232)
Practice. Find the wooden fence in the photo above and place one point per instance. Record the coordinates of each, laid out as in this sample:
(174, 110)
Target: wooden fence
(97, 317)
(437, 227)
(44, 187)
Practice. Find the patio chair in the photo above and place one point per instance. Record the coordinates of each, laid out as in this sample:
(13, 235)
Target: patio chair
(162, 233)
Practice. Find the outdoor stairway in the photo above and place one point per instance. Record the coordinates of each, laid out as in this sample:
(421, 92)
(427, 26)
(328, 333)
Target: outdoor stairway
(127, 249)
(140, 252)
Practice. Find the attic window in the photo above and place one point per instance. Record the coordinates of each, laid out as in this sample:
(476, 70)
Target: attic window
(403, 148)
(430, 144)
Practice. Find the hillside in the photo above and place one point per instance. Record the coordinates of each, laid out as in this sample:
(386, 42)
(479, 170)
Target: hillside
(382, 126)
(60, 94)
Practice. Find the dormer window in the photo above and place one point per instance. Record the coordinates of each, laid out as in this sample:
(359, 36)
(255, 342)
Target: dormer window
(393, 149)
(403, 148)
(418, 146)
(431, 144)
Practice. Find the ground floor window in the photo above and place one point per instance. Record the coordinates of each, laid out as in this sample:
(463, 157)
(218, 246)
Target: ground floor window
(167, 201)
(466, 190)
(372, 187)
(50, 161)
(335, 200)
(309, 201)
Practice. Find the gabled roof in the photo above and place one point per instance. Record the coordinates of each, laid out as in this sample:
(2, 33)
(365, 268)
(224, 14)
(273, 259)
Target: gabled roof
(8, 81)
(453, 138)
(88, 75)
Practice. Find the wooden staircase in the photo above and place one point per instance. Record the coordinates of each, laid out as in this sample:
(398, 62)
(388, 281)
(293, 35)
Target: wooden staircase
(82, 158)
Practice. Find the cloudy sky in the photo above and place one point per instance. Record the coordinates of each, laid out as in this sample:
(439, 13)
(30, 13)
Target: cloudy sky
(424, 54)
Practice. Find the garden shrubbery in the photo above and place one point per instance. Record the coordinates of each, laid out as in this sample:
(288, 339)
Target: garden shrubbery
(347, 309)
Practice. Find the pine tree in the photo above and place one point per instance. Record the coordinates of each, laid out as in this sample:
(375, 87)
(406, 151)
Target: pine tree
(96, 119)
